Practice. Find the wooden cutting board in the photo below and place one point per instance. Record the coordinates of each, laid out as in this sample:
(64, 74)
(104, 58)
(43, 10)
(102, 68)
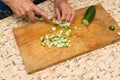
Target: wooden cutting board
(84, 39)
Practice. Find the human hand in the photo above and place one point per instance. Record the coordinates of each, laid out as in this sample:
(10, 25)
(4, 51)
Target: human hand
(64, 11)
(25, 8)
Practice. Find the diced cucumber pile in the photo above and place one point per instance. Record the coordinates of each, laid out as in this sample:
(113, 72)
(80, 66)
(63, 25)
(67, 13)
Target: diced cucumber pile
(62, 24)
(68, 33)
(52, 29)
(59, 39)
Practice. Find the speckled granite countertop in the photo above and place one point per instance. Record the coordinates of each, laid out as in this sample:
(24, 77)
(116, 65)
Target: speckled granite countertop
(101, 64)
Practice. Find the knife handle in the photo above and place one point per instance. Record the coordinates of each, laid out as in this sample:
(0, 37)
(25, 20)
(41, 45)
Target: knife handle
(37, 15)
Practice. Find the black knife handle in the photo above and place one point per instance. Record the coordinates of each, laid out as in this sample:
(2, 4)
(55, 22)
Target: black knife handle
(37, 15)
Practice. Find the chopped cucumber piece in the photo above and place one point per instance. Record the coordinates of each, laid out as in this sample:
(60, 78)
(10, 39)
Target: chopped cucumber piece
(61, 31)
(75, 27)
(47, 37)
(55, 43)
(54, 20)
(67, 24)
(52, 36)
(58, 22)
(68, 32)
(112, 28)
(47, 42)
(67, 45)
(59, 45)
(50, 45)
(42, 39)
(42, 43)
(62, 24)
(65, 40)
(52, 29)
(118, 33)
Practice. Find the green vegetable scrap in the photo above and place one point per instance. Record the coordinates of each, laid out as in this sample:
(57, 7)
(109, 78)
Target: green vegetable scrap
(53, 29)
(118, 33)
(68, 32)
(112, 28)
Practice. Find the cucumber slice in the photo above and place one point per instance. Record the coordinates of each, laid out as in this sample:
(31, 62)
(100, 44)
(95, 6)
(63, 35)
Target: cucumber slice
(112, 28)
(89, 15)
(118, 33)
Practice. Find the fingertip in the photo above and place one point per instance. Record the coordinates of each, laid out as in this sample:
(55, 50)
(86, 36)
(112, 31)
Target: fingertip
(31, 16)
(41, 12)
(57, 13)
(62, 18)
(72, 18)
(68, 18)
(45, 15)
(58, 18)
(49, 17)
(32, 19)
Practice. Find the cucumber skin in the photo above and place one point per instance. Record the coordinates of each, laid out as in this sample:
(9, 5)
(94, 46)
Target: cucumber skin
(90, 14)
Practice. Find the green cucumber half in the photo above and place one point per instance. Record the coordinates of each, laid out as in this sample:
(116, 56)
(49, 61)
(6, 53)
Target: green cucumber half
(89, 15)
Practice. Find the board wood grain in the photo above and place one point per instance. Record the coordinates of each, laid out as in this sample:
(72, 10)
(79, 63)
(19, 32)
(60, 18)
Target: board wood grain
(84, 39)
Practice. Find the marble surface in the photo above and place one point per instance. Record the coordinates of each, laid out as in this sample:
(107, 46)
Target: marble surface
(101, 64)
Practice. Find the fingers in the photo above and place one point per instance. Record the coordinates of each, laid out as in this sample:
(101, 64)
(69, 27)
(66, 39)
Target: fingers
(64, 12)
(72, 17)
(41, 12)
(29, 12)
(31, 15)
(19, 11)
(58, 13)
(64, 15)
(68, 16)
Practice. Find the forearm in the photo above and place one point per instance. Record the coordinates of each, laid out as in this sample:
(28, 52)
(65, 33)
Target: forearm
(58, 1)
(5, 1)
(25, 8)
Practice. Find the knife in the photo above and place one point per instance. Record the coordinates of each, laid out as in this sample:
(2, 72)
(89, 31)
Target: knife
(42, 19)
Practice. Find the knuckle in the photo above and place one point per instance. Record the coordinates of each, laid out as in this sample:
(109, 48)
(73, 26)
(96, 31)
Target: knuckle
(32, 18)
(73, 12)
(31, 5)
(70, 12)
(65, 13)
(68, 19)
(63, 18)
(23, 13)
(28, 9)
